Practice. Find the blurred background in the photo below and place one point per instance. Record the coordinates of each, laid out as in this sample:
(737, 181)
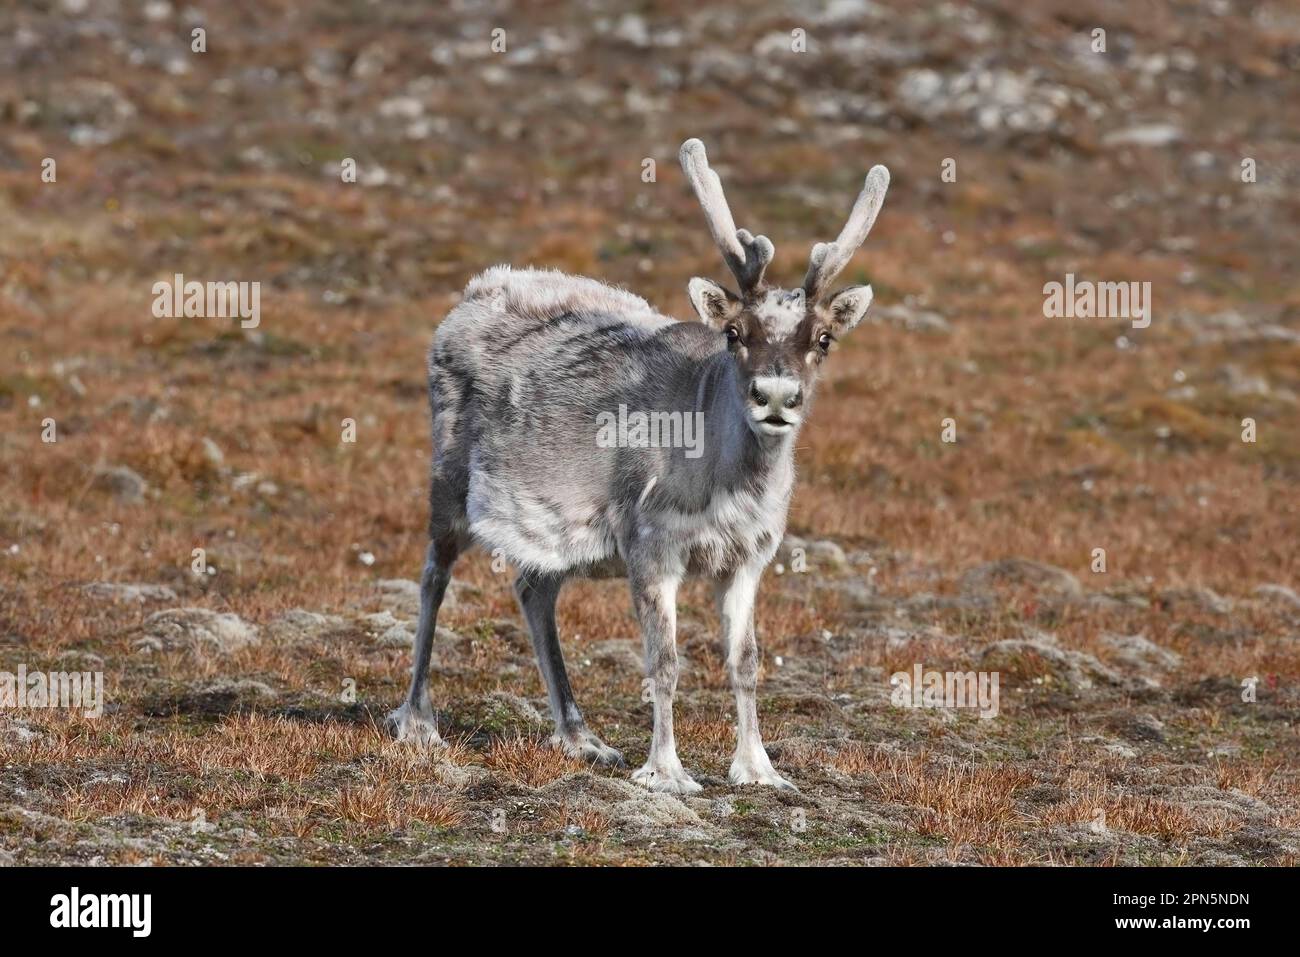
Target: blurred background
(1122, 164)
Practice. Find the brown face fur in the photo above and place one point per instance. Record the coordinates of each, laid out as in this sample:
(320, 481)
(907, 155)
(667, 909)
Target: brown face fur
(779, 341)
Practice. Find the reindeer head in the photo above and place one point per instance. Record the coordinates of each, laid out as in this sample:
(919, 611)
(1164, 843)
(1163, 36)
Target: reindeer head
(777, 337)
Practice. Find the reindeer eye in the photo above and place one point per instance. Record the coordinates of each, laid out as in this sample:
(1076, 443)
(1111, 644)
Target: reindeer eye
(732, 333)
(824, 341)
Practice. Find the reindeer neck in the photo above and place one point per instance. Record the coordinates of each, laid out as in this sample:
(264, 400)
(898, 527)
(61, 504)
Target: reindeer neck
(733, 455)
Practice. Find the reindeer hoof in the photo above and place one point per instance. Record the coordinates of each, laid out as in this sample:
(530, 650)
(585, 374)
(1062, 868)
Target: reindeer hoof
(585, 746)
(414, 726)
(758, 772)
(666, 780)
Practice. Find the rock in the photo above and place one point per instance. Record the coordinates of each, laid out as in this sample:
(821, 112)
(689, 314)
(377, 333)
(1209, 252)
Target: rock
(925, 602)
(458, 776)
(1113, 748)
(1116, 601)
(632, 28)
(1151, 134)
(1226, 801)
(508, 631)
(647, 811)
(986, 100)
(1076, 669)
(827, 554)
(844, 13)
(120, 591)
(19, 731)
(628, 806)
(447, 644)
(212, 453)
(95, 111)
(445, 637)
(1104, 603)
(124, 484)
(913, 320)
(1237, 329)
(401, 108)
(239, 688)
(920, 89)
(141, 410)
(1238, 382)
(147, 646)
(1234, 326)
(1129, 599)
(1141, 727)
(1044, 579)
(858, 593)
(195, 629)
(298, 624)
(1140, 653)
(402, 596)
(1198, 599)
(1228, 320)
(1037, 635)
(393, 632)
(400, 635)
(619, 654)
(519, 708)
(379, 622)
(372, 60)
(1279, 595)
(791, 545)
(896, 638)
(81, 660)
(796, 555)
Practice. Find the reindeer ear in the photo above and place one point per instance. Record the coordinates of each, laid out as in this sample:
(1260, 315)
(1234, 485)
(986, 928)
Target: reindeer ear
(716, 304)
(847, 307)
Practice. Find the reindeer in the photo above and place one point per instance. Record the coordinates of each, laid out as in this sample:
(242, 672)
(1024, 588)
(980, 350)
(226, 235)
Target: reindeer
(519, 372)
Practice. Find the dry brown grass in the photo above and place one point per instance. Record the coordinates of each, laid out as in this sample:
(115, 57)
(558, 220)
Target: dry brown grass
(1066, 441)
(963, 803)
(590, 821)
(389, 806)
(856, 759)
(529, 762)
(1100, 807)
(1256, 779)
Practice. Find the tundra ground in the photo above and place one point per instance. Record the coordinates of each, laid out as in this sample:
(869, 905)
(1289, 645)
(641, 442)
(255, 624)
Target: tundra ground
(1148, 712)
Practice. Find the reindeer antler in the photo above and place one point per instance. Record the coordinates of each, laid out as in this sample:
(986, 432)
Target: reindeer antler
(829, 259)
(746, 255)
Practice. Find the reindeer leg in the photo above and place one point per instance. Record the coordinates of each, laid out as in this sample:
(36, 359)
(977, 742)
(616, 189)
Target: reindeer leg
(537, 596)
(414, 720)
(655, 596)
(735, 596)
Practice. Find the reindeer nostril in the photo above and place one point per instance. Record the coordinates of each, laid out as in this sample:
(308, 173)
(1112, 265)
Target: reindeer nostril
(757, 394)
